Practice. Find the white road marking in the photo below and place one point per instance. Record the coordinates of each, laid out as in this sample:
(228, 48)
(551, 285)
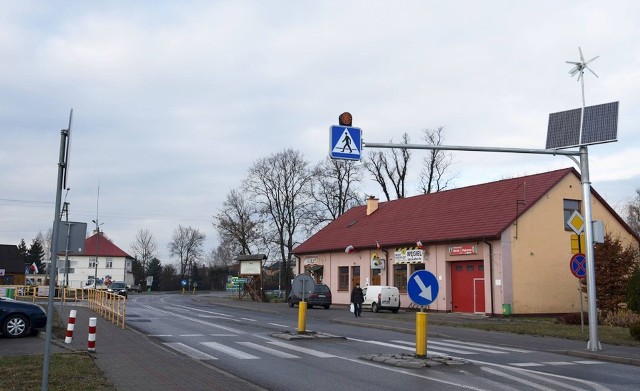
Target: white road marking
(526, 364)
(230, 351)
(558, 363)
(265, 349)
(249, 320)
(383, 344)
(223, 335)
(517, 379)
(301, 349)
(189, 351)
(589, 362)
(445, 348)
(508, 349)
(159, 335)
(279, 325)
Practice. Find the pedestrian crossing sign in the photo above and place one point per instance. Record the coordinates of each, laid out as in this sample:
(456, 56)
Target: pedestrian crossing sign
(346, 142)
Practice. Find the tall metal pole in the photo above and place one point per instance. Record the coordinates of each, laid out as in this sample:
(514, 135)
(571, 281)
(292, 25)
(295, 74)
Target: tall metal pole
(53, 266)
(594, 342)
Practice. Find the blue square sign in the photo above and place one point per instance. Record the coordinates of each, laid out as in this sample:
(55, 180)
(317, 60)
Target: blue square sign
(345, 142)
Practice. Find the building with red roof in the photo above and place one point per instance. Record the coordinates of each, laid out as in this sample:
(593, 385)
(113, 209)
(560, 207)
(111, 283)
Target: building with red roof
(498, 247)
(101, 259)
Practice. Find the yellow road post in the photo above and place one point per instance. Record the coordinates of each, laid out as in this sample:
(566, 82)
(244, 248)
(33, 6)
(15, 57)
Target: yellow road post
(302, 317)
(421, 334)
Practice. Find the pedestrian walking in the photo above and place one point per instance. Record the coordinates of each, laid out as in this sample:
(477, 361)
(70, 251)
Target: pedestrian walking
(357, 298)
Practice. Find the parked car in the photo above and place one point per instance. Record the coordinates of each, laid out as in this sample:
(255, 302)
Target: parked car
(119, 288)
(135, 288)
(321, 296)
(18, 318)
(381, 297)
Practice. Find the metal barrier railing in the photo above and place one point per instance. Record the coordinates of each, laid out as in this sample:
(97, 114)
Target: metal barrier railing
(110, 306)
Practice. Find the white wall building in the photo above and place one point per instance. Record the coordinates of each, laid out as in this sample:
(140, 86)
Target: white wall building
(112, 262)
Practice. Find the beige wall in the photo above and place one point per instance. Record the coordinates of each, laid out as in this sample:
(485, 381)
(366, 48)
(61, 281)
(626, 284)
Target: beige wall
(541, 251)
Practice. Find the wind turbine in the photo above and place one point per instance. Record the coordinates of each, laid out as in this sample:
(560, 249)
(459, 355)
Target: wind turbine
(579, 68)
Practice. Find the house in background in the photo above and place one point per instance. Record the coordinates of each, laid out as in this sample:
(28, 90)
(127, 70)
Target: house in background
(12, 266)
(101, 258)
(499, 247)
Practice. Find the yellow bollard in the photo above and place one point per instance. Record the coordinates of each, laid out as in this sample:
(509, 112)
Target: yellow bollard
(302, 317)
(421, 334)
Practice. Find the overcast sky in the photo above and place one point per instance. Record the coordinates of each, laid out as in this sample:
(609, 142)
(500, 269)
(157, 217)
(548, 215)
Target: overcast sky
(174, 101)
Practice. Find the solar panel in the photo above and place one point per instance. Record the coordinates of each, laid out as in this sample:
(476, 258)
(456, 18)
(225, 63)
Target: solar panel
(600, 126)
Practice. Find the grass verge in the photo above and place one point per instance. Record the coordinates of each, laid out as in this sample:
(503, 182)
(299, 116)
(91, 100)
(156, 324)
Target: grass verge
(67, 371)
(549, 327)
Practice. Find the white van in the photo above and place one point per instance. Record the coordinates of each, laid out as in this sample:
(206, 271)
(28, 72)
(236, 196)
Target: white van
(381, 297)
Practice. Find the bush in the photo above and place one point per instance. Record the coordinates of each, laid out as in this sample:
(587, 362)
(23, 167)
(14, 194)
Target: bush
(621, 318)
(634, 330)
(633, 291)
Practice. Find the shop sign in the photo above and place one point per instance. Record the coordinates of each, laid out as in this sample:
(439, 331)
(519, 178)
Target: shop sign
(470, 249)
(310, 261)
(408, 255)
(377, 262)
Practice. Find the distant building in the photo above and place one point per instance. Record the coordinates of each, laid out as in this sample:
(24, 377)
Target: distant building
(112, 262)
(499, 247)
(12, 266)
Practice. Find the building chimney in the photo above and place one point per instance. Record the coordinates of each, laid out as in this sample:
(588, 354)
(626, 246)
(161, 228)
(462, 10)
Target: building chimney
(372, 205)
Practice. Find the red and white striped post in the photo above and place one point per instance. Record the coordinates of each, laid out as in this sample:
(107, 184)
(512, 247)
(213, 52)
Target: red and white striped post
(91, 345)
(70, 326)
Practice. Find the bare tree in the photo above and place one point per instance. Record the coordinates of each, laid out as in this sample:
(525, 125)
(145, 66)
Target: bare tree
(239, 222)
(391, 167)
(336, 188)
(144, 248)
(435, 176)
(281, 185)
(633, 213)
(186, 244)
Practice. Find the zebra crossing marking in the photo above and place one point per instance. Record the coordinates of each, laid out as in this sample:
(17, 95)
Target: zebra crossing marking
(189, 351)
(311, 352)
(268, 350)
(229, 350)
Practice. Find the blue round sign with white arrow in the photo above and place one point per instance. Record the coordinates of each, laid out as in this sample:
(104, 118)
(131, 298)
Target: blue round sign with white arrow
(423, 287)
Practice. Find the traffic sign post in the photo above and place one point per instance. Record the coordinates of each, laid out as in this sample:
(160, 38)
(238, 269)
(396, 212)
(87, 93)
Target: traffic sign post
(578, 266)
(345, 142)
(301, 285)
(422, 288)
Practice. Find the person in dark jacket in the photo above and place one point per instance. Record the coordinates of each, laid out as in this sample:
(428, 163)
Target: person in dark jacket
(357, 298)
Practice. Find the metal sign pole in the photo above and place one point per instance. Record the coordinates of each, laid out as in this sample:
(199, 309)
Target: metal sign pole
(594, 342)
(53, 265)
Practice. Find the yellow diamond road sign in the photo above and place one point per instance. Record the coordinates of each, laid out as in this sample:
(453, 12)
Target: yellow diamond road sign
(576, 222)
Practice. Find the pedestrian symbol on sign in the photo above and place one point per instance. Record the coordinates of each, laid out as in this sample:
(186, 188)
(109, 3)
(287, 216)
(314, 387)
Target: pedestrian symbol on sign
(346, 142)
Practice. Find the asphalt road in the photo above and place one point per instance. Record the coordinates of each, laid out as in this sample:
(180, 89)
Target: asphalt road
(247, 343)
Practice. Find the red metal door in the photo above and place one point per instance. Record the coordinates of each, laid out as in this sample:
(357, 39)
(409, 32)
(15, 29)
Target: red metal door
(464, 295)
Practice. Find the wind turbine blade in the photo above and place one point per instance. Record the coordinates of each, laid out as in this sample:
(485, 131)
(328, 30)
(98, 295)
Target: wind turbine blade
(581, 56)
(594, 74)
(591, 60)
(572, 62)
(574, 70)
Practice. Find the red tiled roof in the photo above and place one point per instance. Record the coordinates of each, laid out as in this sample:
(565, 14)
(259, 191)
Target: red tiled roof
(469, 213)
(105, 247)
